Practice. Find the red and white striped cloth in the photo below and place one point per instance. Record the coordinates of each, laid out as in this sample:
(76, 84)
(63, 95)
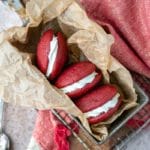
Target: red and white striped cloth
(142, 116)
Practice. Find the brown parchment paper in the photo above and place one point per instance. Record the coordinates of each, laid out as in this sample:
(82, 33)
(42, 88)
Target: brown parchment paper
(23, 84)
(35, 12)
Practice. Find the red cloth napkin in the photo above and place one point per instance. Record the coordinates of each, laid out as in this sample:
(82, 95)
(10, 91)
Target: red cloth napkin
(129, 22)
(49, 133)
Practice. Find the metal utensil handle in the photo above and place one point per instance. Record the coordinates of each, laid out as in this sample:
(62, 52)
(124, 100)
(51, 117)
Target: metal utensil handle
(1, 114)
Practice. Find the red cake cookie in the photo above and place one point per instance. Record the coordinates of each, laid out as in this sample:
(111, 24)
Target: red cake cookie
(51, 54)
(78, 79)
(100, 104)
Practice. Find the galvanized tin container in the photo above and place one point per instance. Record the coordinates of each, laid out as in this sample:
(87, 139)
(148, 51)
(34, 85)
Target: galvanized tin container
(116, 125)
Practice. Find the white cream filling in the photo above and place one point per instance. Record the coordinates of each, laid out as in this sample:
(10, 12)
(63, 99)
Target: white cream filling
(52, 55)
(104, 108)
(79, 84)
(8, 18)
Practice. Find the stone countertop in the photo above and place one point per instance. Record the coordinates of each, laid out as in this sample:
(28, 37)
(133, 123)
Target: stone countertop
(19, 123)
(141, 141)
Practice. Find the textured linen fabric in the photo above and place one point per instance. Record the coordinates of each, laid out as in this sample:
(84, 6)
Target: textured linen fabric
(129, 22)
(49, 133)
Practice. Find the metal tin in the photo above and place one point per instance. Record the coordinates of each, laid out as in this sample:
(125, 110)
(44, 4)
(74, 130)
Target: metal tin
(142, 100)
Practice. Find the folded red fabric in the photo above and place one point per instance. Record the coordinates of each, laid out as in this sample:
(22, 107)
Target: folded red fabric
(140, 118)
(143, 115)
(129, 22)
(49, 133)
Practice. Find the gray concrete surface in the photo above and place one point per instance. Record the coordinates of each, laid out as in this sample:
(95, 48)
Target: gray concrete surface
(141, 141)
(19, 123)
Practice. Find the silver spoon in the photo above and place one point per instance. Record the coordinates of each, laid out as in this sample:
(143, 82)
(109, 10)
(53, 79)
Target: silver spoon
(4, 140)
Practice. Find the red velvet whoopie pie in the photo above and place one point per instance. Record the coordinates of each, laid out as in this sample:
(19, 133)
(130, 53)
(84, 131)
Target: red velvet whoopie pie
(78, 79)
(52, 54)
(100, 104)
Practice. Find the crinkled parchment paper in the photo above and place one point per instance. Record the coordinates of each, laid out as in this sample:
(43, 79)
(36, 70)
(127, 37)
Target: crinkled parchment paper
(23, 84)
(35, 12)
